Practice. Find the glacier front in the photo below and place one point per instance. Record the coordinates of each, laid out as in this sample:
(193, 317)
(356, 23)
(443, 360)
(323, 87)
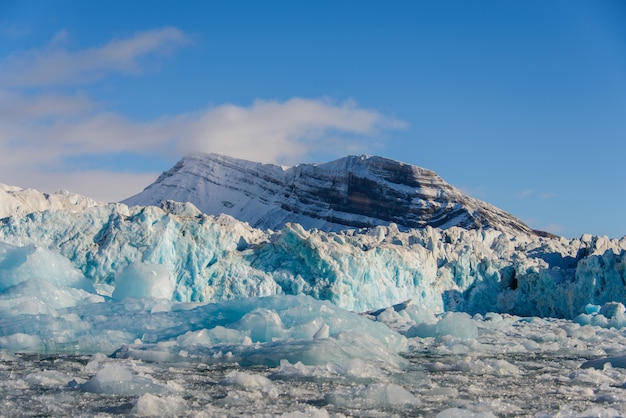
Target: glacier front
(175, 252)
(151, 311)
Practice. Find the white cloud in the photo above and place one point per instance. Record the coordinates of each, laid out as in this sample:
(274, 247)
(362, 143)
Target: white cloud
(47, 139)
(475, 191)
(53, 65)
(43, 132)
(551, 227)
(272, 131)
(531, 193)
(100, 185)
(13, 30)
(554, 228)
(17, 108)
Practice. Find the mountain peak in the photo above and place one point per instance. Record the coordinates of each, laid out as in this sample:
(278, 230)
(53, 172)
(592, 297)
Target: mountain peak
(355, 191)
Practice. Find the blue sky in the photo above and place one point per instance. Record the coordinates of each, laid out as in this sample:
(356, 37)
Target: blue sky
(519, 103)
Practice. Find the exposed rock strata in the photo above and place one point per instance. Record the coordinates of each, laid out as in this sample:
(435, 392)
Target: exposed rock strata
(352, 192)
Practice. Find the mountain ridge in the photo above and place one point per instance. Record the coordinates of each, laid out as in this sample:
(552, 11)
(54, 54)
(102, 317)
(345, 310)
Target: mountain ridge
(351, 192)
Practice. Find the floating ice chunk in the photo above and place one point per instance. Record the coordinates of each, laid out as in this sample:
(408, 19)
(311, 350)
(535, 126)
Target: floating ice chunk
(49, 378)
(354, 369)
(465, 365)
(422, 330)
(309, 412)
(615, 361)
(255, 331)
(262, 331)
(583, 319)
(6, 357)
(141, 280)
(612, 314)
(21, 342)
(323, 332)
(494, 317)
(339, 348)
(253, 382)
(498, 367)
(358, 368)
(596, 412)
(591, 309)
(600, 321)
(213, 336)
(263, 324)
(464, 413)
(39, 296)
(456, 324)
(398, 307)
(376, 395)
(18, 264)
(115, 379)
(581, 332)
(149, 405)
(611, 309)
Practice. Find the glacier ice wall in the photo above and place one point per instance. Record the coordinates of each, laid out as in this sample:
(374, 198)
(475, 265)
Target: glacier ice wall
(178, 253)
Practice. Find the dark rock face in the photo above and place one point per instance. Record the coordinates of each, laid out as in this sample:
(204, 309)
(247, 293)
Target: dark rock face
(352, 192)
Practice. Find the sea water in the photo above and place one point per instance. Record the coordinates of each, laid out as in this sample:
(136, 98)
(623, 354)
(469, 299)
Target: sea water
(491, 365)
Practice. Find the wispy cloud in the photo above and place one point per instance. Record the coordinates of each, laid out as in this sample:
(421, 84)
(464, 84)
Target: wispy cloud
(551, 227)
(44, 134)
(554, 228)
(273, 131)
(12, 30)
(54, 65)
(527, 193)
(476, 191)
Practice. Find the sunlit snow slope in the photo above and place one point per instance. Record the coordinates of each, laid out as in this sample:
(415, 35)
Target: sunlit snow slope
(352, 192)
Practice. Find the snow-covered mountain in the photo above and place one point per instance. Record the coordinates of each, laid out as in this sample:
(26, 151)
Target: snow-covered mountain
(18, 201)
(352, 192)
(178, 253)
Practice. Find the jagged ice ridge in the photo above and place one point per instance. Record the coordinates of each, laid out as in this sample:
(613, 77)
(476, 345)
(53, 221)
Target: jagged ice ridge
(196, 257)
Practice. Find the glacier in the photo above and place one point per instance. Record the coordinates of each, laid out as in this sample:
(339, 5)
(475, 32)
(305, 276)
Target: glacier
(178, 253)
(110, 309)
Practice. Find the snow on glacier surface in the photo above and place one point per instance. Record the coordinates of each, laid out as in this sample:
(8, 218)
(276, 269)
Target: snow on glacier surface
(198, 258)
(152, 311)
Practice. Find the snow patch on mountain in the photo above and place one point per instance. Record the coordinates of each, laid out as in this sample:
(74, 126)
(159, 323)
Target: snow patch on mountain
(351, 192)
